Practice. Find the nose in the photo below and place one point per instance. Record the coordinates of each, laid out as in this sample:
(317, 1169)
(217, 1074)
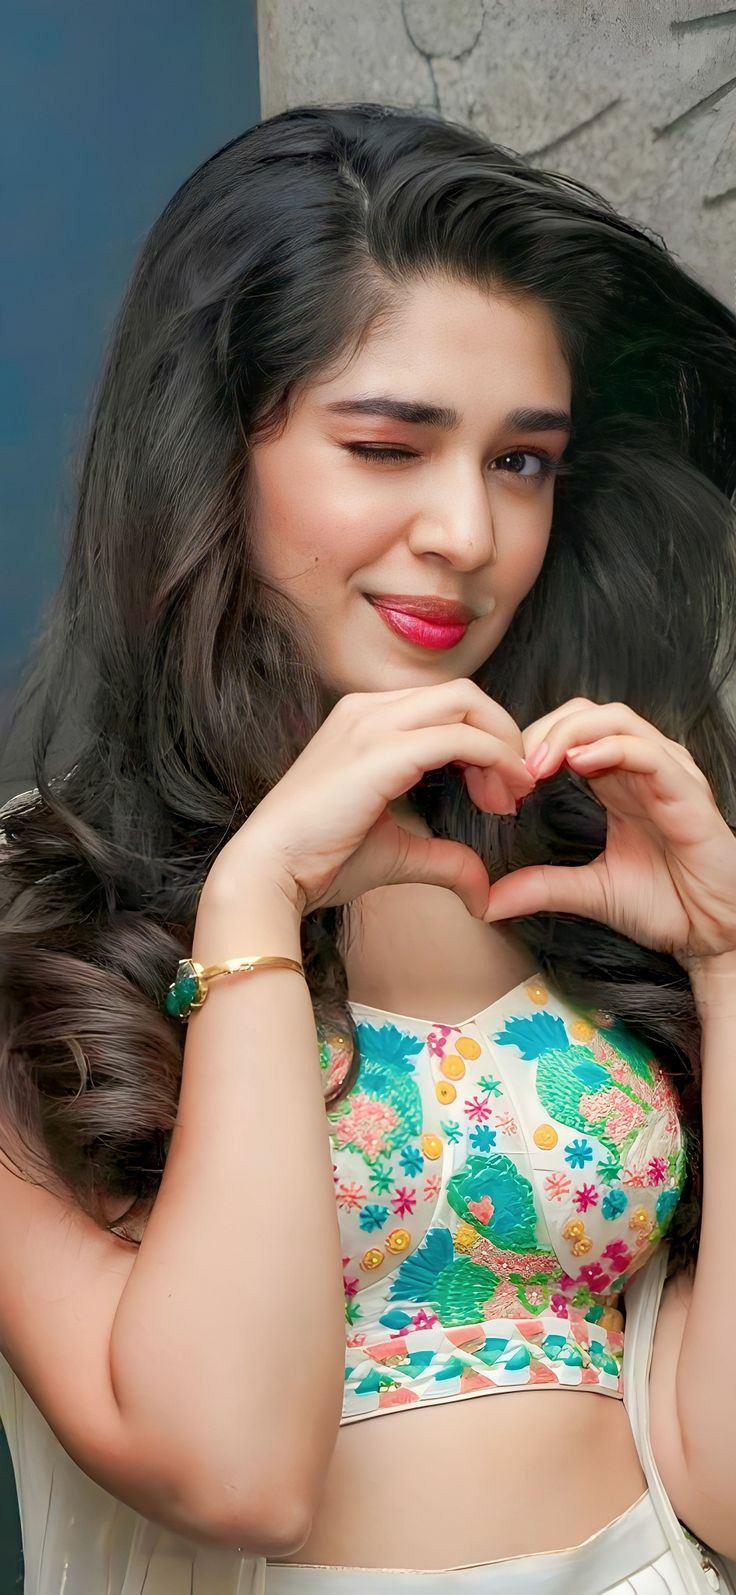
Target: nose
(455, 520)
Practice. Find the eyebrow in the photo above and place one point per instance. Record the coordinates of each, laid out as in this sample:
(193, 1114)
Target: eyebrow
(447, 419)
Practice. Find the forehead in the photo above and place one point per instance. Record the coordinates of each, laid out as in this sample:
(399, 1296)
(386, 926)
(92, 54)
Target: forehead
(470, 342)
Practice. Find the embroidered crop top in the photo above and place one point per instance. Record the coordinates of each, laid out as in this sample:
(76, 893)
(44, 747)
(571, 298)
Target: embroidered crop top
(497, 1183)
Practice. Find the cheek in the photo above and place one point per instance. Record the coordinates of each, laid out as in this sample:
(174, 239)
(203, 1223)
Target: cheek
(518, 565)
(306, 521)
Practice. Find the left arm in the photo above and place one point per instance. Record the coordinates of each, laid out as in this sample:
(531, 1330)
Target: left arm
(692, 1386)
(666, 879)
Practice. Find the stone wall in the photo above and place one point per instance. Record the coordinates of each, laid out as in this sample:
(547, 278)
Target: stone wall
(635, 97)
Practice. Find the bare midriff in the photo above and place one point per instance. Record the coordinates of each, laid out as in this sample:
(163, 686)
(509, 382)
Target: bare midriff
(507, 1474)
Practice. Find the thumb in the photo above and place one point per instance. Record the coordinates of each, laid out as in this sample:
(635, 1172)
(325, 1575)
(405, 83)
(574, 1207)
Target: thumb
(547, 888)
(438, 862)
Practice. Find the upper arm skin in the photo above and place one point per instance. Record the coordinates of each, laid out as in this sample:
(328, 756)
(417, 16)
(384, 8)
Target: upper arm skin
(692, 1507)
(61, 1279)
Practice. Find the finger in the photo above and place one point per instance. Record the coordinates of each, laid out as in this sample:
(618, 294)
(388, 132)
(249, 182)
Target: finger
(587, 726)
(436, 861)
(536, 731)
(461, 700)
(670, 781)
(431, 747)
(548, 888)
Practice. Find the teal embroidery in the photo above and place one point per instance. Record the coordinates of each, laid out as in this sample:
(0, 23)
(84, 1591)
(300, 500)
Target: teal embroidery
(490, 1194)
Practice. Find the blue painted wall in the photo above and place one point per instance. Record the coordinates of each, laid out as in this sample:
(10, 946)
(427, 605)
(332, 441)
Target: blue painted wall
(106, 108)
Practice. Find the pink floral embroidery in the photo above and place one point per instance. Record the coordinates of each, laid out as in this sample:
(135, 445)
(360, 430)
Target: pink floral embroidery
(478, 1108)
(592, 1275)
(525, 1264)
(432, 1186)
(424, 1320)
(504, 1302)
(633, 1176)
(619, 1254)
(438, 1038)
(619, 1112)
(350, 1285)
(404, 1200)
(557, 1186)
(506, 1123)
(350, 1195)
(585, 1196)
(559, 1305)
(367, 1125)
(657, 1171)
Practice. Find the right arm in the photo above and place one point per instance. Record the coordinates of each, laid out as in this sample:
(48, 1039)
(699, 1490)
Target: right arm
(200, 1378)
(228, 1342)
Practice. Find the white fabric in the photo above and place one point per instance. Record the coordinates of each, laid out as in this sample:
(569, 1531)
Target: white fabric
(630, 1553)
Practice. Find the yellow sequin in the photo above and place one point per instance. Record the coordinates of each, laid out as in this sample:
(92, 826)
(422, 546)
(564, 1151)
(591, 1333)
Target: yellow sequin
(581, 1030)
(453, 1067)
(640, 1219)
(372, 1258)
(537, 992)
(431, 1146)
(546, 1136)
(467, 1047)
(445, 1092)
(573, 1228)
(611, 1318)
(464, 1238)
(398, 1240)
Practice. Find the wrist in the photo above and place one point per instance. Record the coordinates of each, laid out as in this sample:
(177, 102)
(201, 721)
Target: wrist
(713, 982)
(245, 913)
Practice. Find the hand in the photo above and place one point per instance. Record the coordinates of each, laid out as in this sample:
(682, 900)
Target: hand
(667, 875)
(325, 829)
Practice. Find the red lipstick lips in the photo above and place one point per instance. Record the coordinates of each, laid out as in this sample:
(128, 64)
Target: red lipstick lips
(427, 622)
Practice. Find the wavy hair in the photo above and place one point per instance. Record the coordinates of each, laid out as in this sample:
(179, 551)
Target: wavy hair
(177, 676)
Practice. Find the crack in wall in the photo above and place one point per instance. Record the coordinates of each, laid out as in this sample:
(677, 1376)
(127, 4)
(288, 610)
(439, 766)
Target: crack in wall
(697, 109)
(554, 144)
(712, 19)
(425, 57)
(430, 58)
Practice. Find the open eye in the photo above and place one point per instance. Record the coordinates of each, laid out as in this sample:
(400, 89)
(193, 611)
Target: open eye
(545, 465)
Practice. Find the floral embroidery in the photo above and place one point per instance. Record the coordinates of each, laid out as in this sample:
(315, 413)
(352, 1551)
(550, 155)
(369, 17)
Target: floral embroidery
(411, 1160)
(578, 1153)
(404, 1201)
(477, 1108)
(557, 1186)
(482, 1138)
(373, 1217)
(483, 1254)
(613, 1204)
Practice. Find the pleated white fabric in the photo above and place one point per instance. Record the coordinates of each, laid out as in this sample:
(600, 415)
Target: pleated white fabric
(630, 1553)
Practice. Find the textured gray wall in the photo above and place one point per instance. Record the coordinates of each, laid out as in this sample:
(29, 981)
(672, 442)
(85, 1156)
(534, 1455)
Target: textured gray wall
(635, 97)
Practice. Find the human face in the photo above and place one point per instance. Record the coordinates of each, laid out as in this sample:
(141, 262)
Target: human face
(464, 515)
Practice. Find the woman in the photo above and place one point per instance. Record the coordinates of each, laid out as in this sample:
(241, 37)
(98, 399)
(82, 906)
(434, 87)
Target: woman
(398, 611)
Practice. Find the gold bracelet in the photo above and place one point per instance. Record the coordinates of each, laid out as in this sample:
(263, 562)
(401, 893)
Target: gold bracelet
(191, 985)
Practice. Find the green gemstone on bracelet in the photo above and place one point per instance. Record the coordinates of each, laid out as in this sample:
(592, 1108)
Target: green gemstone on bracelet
(183, 992)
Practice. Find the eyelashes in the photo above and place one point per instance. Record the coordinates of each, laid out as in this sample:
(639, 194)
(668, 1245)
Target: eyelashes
(547, 466)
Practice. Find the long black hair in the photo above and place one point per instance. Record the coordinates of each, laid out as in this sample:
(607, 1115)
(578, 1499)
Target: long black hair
(177, 677)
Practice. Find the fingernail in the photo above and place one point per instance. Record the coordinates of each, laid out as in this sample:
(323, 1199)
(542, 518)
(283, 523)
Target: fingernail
(537, 759)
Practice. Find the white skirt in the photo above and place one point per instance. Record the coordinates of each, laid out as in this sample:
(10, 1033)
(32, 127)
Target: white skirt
(630, 1553)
